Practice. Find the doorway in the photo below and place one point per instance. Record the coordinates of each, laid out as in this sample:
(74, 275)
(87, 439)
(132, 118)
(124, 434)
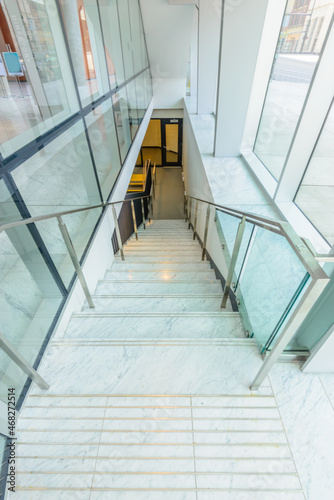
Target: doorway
(163, 142)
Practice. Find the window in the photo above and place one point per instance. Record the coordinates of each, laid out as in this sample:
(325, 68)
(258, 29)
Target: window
(315, 196)
(296, 58)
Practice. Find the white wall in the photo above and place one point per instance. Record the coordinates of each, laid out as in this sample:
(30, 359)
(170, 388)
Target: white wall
(168, 36)
(197, 185)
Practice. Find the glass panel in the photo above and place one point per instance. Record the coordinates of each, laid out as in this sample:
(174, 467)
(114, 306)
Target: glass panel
(172, 138)
(61, 177)
(132, 103)
(102, 135)
(85, 42)
(139, 48)
(46, 94)
(148, 86)
(315, 196)
(122, 119)
(271, 275)
(153, 154)
(112, 40)
(171, 157)
(141, 97)
(153, 134)
(227, 227)
(303, 33)
(127, 43)
(29, 299)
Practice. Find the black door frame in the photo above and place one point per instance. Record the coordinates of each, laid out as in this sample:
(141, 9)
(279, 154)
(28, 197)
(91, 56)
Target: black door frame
(170, 121)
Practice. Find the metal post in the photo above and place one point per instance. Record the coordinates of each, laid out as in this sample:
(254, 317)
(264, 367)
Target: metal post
(185, 207)
(206, 230)
(148, 211)
(151, 202)
(188, 209)
(195, 222)
(189, 218)
(143, 212)
(310, 297)
(75, 260)
(118, 233)
(134, 219)
(153, 180)
(233, 262)
(19, 360)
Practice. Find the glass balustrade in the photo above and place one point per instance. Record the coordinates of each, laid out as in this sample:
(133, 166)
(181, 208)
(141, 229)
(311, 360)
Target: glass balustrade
(268, 281)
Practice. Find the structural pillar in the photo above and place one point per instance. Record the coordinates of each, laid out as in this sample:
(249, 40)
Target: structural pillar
(209, 24)
(242, 26)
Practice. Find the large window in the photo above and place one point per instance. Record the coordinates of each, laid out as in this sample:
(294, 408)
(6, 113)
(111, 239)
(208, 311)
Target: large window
(303, 34)
(85, 42)
(39, 91)
(315, 196)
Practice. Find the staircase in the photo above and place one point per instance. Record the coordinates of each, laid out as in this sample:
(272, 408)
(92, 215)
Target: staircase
(149, 392)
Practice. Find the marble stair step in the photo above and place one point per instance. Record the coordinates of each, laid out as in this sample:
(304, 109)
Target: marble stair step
(157, 465)
(141, 244)
(154, 325)
(156, 303)
(170, 341)
(167, 222)
(165, 231)
(151, 235)
(164, 252)
(130, 265)
(151, 444)
(79, 494)
(182, 276)
(106, 287)
(164, 257)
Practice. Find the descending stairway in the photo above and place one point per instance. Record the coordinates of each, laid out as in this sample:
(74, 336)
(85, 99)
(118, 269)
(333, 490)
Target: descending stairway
(149, 392)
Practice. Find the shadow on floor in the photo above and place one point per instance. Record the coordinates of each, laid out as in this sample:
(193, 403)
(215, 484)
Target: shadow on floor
(169, 195)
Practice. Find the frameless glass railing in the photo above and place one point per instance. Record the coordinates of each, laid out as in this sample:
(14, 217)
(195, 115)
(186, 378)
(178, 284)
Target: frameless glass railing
(268, 280)
(275, 277)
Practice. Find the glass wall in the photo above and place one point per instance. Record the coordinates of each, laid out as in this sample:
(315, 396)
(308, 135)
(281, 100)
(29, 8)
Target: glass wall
(65, 131)
(47, 95)
(103, 138)
(84, 36)
(315, 196)
(302, 37)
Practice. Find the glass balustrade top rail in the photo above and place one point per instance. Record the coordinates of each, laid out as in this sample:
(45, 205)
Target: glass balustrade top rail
(280, 227)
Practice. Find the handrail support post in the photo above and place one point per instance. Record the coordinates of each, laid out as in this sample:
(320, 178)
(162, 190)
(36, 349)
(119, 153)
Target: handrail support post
(195, 222)
(75, 260)
(19, 360)
(236, 249)
(118, 233)
(189, 217)
(208, 210)
(143, 212)
(134, 219)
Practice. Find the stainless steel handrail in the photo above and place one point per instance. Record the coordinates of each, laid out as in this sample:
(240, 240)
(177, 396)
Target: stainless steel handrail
(279, 227)
(316, 283)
